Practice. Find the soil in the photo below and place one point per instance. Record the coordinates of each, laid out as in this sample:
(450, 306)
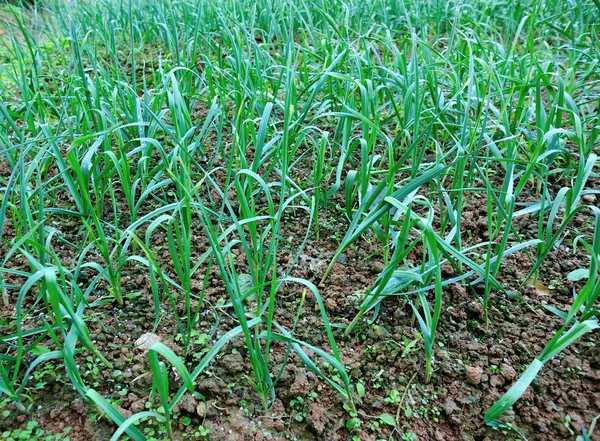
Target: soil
(473, 365)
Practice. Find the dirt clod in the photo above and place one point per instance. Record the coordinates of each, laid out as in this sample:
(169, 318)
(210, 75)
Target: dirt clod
(474, 374)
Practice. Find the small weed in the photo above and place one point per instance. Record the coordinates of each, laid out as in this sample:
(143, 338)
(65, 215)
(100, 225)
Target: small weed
(394, 397)
(495, 370)
(33, 432)
(300, 405)
(409, 436)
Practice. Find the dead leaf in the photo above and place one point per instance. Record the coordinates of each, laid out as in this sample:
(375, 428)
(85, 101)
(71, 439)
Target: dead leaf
(540, 288)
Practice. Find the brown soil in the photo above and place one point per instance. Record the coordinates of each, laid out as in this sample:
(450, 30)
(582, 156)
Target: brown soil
(474, 366)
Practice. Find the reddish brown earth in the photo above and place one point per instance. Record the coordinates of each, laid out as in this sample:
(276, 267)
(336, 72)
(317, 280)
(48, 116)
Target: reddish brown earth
(474, 366)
